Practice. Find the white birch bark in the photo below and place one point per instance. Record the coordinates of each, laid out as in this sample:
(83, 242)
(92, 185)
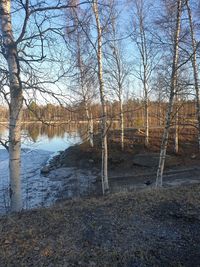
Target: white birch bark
(91, 130)
(176, 141)
(120, 77)
(159, 178)
(90, 125)
(15, 107)
(195, 68)
(145, 64)
(118, 73)
(84, 94)
(146, 116)
(121, 122)
(104, 168)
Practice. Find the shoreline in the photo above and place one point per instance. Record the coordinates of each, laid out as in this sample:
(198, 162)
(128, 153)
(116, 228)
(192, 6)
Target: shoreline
(127, 171)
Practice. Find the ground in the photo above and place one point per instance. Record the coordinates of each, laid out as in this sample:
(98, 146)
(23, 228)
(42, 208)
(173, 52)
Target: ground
(136, 166)
(122, 162)
(146, 228)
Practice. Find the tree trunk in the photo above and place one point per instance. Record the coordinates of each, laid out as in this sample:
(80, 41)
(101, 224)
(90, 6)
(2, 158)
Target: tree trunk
(84, 90)
(15, 107)
(176, 143)
(146, 118)
(144, 76)
(91, 130)
(121, 123)
(104, 168)
(159, 179)
(89, 126)
(195, 69)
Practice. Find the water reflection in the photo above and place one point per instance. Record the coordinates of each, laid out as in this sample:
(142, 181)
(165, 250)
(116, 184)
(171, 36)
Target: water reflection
(52, 137)
(36, 130)
(42, 141)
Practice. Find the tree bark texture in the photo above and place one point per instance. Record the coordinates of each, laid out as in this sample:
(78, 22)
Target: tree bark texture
(195, 68)
(15, 106)
(104, 168)
(159, 178)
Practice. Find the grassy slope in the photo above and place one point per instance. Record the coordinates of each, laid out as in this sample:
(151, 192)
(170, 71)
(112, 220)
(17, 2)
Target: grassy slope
(137, 229)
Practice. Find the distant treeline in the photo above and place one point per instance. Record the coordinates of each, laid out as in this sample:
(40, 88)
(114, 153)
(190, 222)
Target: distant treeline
(133, 113)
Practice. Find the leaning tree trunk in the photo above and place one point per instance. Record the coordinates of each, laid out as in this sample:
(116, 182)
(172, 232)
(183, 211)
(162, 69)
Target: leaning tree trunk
(195, 69)
(104, 168)
(159, 179)
(15, 107)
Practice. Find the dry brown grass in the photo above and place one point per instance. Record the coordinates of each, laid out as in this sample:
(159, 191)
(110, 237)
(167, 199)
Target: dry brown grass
(155, 228)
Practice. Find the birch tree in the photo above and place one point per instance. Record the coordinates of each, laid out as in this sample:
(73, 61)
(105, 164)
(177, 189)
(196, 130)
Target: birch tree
(16, 101)
(194, 66)
(83, 83)
(104, 168)
(117, 69)
(176, 143)
(16, 47)
(173, 83)
(143, 39)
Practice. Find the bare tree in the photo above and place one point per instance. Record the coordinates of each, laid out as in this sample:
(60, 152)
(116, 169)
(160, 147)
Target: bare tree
(143, 38)
(36, 24)
(104, 168)
(159, 179)
(83, 82)
(16, 102)
(117, 69)
(194, 66)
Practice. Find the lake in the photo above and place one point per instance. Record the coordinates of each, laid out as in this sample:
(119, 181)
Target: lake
(39, 143)
(47, 137)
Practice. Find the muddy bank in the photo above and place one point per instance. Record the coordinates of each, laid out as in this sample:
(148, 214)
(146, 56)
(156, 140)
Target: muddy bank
(120, 162)
(75, 170)
(148, 228)
(74, 182)
(128, 170)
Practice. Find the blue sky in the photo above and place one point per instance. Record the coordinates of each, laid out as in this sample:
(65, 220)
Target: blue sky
(48, 69)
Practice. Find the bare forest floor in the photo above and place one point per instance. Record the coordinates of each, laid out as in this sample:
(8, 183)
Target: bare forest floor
(146, 228)
(137, 164)
(138, 228)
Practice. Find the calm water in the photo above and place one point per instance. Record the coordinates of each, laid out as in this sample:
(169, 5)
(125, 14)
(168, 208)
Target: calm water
(39, 143)
(50, 138)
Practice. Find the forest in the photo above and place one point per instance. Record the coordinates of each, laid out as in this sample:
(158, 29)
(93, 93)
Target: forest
(119, 79)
